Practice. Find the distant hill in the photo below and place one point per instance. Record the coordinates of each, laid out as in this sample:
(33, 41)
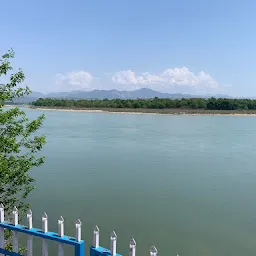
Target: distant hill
(143, 93)
(115, 94)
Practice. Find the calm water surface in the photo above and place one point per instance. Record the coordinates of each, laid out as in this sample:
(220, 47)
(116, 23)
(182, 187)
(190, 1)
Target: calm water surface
(186, 184)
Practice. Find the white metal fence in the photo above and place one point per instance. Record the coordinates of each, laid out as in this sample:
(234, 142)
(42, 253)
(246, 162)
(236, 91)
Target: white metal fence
(60, 237)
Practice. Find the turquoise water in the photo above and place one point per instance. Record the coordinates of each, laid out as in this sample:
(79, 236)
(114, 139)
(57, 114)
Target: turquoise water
(186, 184)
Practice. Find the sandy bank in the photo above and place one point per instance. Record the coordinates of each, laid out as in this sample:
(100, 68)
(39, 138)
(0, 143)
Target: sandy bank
(188, 112)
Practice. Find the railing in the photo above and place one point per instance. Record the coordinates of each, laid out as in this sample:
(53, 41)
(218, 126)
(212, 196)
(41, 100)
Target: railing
(77, 242)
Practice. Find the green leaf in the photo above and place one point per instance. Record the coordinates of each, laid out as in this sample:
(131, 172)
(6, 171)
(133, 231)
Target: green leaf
(19, 146)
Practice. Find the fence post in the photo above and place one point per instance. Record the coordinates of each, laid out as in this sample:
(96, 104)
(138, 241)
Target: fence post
(61, 234)
(78, 230)
(96, 237)
(113, 238)
(132, 247)
(45, 230)
(1, 229)
(30, 238)
(153, 251)
(15, 216)
(79, 248)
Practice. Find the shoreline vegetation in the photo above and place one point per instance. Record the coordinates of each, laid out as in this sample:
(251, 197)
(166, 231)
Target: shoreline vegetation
(184, 106)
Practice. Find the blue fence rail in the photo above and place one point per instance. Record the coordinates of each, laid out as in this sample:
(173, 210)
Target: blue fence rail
(60, 237)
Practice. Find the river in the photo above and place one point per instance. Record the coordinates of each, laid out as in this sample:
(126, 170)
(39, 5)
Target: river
(186, 184)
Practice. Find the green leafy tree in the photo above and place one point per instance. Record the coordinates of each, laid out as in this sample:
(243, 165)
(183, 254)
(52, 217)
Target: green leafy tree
(19, 146)
(155, 103)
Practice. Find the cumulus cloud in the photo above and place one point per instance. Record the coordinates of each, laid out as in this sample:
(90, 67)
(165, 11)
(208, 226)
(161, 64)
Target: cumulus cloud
(76, 80)
(170, 80)
(169, 77)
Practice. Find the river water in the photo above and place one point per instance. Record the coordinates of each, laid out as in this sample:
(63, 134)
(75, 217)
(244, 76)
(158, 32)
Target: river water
(186, 184)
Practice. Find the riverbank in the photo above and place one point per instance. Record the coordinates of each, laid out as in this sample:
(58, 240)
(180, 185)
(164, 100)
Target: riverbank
(142, 111)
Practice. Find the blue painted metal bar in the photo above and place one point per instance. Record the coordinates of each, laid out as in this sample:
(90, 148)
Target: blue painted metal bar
(9, 253)
(38, 232)
(79, 246)
(100, 251)
(79, 249)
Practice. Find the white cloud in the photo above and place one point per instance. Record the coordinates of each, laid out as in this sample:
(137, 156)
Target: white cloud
(75, 80)
(168, 78)
(128, 77)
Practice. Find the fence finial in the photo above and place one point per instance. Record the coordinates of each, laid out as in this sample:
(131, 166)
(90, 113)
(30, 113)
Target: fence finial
(61, 226)
(78, 230)
(153, 251)
(45, 222)
(113, 238)
(1, 213)
(96, 237)
(132, 247)
(29, 219)
(96, 229)
(15, 215)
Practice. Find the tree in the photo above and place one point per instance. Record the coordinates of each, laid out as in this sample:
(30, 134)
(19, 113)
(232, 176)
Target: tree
(19, 148)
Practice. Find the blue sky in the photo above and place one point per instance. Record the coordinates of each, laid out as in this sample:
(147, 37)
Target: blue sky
(189, 46)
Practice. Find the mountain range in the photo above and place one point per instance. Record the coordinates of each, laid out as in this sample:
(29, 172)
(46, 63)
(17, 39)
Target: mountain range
(143, 93)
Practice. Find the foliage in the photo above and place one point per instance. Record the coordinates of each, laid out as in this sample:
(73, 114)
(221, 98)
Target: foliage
(156, 103)
(18, 146)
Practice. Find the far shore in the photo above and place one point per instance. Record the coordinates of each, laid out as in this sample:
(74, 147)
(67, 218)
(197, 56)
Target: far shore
(140, 111)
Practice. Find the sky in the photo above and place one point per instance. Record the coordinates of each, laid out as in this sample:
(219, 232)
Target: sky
(185, 46)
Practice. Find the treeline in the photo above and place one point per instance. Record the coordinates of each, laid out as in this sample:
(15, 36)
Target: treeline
(156, 103)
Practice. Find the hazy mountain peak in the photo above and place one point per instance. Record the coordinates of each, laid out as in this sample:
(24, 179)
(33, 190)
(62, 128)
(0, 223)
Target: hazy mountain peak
(143, 93)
